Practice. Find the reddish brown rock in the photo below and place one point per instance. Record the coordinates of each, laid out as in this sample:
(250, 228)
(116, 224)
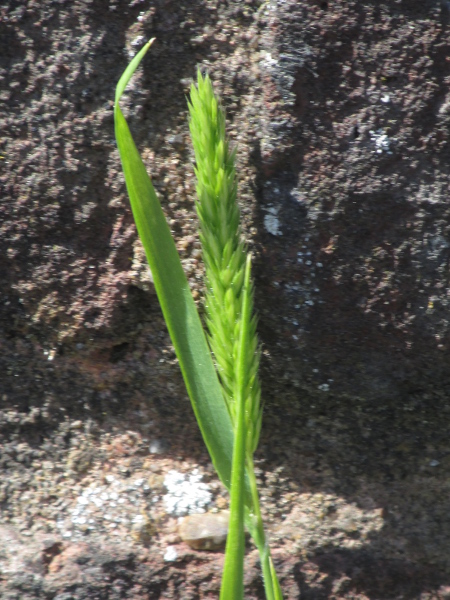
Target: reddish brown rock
(340, 110)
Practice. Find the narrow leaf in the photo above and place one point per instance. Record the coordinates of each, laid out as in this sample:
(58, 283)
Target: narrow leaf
(172, 288)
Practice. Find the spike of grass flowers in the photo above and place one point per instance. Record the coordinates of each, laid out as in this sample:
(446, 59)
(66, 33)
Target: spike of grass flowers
(224, 253)
(228, 411)
(229, 302)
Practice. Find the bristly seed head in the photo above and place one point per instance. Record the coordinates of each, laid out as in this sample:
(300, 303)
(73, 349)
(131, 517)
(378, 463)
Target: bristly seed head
(224, 252)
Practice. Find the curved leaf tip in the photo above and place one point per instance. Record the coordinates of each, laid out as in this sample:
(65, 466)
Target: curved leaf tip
(129, 71)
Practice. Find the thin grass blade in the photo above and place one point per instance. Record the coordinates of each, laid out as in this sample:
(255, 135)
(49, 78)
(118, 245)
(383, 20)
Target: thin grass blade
(277, 593)
(172, 288)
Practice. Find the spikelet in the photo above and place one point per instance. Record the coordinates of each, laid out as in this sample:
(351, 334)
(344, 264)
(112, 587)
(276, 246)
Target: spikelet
(224, 253)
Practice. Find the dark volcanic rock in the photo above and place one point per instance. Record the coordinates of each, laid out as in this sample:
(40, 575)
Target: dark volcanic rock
(341, 113)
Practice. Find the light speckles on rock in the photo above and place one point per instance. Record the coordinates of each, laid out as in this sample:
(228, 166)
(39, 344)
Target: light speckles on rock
(143, 528)
(271, 221)
(170, 554)
(116, 507)
(324, 520)
(186, 494)
(381, 141)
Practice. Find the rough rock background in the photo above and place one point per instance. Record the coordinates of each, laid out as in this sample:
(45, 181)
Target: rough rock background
(341, 113)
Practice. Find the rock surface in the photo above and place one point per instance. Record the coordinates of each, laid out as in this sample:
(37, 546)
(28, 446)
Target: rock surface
(205, 531)
(341, 113)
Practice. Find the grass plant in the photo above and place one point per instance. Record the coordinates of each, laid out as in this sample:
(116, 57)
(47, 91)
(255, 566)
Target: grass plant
(220, 368)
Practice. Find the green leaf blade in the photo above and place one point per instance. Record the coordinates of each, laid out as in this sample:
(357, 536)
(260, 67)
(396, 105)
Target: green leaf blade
(172, 288)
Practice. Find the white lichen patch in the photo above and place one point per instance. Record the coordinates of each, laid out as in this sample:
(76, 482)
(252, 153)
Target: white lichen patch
(186, 494)
(381, 140)
(170, 554)
(114, 507)
(271, 221)
(268, 62)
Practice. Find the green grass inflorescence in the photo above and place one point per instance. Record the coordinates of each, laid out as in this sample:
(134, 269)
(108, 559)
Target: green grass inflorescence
(228, 412)
(224, 253)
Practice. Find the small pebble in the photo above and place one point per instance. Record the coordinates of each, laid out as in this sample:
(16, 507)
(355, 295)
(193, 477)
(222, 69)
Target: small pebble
(206, 531)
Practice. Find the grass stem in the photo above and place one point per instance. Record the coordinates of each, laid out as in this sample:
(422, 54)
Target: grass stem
(233, 573)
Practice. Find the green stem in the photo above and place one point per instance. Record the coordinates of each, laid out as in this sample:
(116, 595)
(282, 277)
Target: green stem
(233, 572)
(256, 528)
